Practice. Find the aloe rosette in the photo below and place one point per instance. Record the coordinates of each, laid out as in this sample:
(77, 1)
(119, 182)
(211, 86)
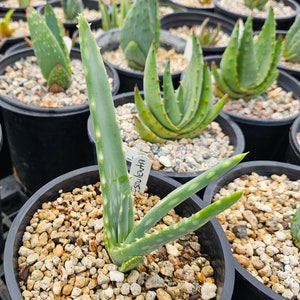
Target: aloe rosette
(139, 30)
(185, 112)
(291, 43)
(208, 36)
(126, 241)
(50, 49)
(248, 68)
(71, 8)
(259, 4)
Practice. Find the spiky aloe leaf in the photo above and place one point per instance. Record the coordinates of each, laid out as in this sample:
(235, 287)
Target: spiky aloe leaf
(124, 247)
(291, 43)
(5, 29)
(139, 30)
(71, 8)
(51, 55)
(295, 228)
(115, 185)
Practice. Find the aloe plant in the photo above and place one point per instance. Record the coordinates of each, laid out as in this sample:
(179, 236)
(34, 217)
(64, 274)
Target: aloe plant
(140, 29)
(248, 68)
(291, 43)
(5, 29)
(208, 36)
(259, 4)
(126, 241)
(50, 48)
(24, 3)
(182, 113)
(71, 8)
(115, 18)
(295, 228)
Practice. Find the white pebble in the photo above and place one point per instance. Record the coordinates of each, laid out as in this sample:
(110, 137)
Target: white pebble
(208, 291)
(116, 276)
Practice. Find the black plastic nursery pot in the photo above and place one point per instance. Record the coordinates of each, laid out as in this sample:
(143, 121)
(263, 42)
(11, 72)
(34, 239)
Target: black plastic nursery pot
(229, 128)
(293, 151)
(71, 26)
(266, 139)
(46, 142)
(282, 23)
(10, 41)
(189, 7)
(19, 9)
(247, 286)
(213, 244)
(109, 41)
(191, 18)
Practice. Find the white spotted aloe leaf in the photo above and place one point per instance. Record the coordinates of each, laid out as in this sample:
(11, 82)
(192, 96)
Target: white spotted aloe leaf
(126, 241)
(291, 43)
(50, 49)
(183, 113)
(248, 68)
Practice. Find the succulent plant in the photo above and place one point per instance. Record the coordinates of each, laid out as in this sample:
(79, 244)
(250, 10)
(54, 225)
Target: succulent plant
(140, 29)
(50, 48)
(24, 3)
(248, 68)
(116, 17)
(71, 8)
(259, 4)
(207, 35)
(295, 228)
(181, 113)
(5, 29)
(291, 43)
(126, 241)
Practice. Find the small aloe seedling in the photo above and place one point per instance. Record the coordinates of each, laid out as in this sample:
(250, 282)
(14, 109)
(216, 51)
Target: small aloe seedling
(24, 3)
(291, 43)
(259, 4)
(295, 228)
(5, 29)
(50, 48)
(71, 8)
(140, 29)
(116, 17)
(248, 68)
(126, 241)
(181, 113)
(207, 35)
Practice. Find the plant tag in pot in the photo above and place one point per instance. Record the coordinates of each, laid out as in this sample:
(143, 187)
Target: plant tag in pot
(139, 173)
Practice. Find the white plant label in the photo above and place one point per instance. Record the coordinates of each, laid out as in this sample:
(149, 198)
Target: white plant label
(130, 153)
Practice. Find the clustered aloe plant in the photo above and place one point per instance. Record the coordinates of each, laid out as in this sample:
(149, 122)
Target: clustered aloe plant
(291, 43)
(115, 18)
(125, 241)
(207, 35)
(181, 113)
(50, 48)
(71, 8)
(5, 29)
(140, 29)
(295, 228)
(248, 68)
(259, 4)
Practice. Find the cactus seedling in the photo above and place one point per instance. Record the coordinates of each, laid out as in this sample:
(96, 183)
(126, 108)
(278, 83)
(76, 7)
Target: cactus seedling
(117, 16)
(5, 29)
(259, 4)
(291, 43)
(71, 8)
(140, 29)
(248, 68)
(50, 48)
(181, 113)
(125, 241)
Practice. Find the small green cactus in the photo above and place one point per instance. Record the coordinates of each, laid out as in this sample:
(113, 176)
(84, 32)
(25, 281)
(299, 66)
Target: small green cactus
(259, 4)
(248, 68)
(295, 228)
(291, 43)
(181, 113)
(117, 16)
(5, 29)
(50, 49)
(207, 35)
(140, 29)
(71, 8)
(126, 241)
